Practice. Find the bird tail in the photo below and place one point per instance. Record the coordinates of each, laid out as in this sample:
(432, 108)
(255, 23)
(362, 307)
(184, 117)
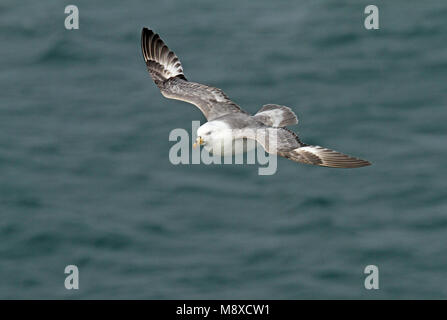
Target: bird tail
(161, 62)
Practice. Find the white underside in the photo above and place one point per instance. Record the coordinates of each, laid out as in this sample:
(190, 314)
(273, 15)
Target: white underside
(228, 147)
(221, 141)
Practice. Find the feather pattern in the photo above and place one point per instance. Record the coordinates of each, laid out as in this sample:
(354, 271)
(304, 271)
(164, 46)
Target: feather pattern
(274, 115)
(167, 72)
(267, 126)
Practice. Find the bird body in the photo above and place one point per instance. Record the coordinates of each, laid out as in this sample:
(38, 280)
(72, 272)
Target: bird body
(229, 128)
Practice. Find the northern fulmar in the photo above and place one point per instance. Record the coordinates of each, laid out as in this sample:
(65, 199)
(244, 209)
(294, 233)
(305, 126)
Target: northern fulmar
(227, 122)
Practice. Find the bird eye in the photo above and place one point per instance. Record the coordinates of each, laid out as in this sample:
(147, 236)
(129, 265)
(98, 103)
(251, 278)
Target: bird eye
(208, 133)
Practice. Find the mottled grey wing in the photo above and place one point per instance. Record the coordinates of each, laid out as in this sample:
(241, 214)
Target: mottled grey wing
(273, 140)
(324, 157)
(273, 115)
(286, 143)
(167, 73)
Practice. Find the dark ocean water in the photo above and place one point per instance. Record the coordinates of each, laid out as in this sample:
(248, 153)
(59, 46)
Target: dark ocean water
(85, 177)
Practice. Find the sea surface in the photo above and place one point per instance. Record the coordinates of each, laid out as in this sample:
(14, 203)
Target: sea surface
(85, 176)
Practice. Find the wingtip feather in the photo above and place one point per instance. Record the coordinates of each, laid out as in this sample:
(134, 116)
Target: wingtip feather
(161, 62)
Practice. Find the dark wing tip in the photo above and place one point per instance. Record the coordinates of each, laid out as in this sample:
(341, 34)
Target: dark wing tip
(351, 163)
(161, 62)
(324, 157)
(146, 34)
(335, 159)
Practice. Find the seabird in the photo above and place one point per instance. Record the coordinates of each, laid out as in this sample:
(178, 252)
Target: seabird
(227, 122)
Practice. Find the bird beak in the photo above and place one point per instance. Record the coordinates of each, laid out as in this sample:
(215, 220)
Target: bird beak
(199, 141)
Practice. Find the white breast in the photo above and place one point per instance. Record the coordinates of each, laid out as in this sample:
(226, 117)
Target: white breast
(221, 142)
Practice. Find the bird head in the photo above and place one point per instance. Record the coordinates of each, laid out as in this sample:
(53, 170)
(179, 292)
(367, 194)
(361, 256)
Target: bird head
(210, 132)
(204, 134)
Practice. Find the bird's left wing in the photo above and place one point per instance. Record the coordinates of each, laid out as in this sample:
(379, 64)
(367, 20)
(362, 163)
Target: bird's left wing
(167, 73)
(286, 143)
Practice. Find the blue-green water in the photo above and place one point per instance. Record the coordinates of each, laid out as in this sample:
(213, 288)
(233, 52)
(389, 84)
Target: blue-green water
(85, 177)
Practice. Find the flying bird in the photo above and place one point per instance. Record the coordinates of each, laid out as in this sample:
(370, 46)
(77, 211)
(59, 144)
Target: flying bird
(227, 122)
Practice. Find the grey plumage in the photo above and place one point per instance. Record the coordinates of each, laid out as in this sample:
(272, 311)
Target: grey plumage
(167, 73)
(317, 155)
(267, 126)
(274, 115)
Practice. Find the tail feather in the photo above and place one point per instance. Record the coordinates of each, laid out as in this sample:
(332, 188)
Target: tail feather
(161, 62)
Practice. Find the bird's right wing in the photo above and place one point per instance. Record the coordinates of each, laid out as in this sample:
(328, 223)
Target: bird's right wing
(167, 73)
